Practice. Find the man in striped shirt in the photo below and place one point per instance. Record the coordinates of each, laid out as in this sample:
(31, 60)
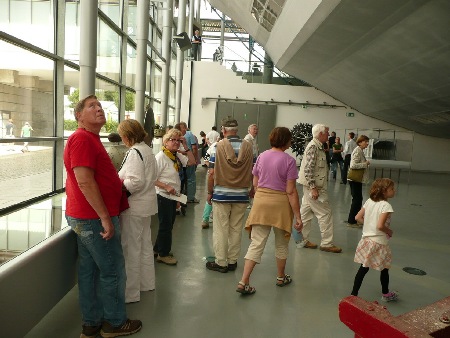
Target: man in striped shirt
(230, 175)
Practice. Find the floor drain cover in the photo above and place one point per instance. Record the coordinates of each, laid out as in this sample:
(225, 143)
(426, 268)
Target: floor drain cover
(414, 271)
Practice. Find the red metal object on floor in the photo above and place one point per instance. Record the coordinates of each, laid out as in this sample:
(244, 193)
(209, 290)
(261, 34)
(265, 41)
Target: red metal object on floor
(373, 320)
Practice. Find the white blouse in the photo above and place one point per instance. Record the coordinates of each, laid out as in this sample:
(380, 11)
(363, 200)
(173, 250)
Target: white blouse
(139, 176)
(166, 171)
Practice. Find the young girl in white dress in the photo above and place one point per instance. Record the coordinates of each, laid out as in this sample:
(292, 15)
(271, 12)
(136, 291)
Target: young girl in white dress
(373, 250)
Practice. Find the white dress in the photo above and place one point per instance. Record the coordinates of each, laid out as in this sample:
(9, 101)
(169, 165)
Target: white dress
(373, 250)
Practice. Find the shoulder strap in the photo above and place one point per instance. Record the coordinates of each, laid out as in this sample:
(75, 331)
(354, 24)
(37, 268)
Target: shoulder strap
(125, 158)
(139, 153)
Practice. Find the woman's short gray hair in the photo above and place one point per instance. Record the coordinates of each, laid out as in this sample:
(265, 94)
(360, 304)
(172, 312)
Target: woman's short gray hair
(319, 128)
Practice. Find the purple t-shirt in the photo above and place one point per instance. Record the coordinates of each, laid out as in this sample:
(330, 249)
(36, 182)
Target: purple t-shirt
(274, 169)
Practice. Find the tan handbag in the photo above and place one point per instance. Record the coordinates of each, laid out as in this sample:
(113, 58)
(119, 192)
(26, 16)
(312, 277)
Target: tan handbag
(356, 175)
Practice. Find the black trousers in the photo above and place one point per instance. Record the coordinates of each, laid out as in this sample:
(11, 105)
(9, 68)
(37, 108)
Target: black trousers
(346, 167)
(357, 198)
(166, 215)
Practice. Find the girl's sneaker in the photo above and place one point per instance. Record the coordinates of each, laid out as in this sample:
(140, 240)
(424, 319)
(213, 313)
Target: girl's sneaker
(390, 297)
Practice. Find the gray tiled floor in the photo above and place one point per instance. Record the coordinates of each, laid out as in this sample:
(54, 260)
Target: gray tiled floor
(190, 301)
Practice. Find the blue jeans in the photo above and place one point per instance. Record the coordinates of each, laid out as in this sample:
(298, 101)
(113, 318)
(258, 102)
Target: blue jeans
(334, 167)
(101, 273)
(191, 182)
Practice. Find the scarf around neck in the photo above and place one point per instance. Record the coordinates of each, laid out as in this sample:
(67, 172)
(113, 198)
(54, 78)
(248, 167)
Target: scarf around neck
(176, 161)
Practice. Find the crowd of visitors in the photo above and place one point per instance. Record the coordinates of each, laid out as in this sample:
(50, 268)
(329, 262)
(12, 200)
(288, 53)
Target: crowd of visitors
(110, 210)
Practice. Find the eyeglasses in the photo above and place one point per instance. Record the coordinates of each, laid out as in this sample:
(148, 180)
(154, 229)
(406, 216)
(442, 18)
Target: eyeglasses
(174, 139)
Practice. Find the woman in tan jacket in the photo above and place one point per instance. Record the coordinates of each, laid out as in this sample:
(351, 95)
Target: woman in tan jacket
(358, 161)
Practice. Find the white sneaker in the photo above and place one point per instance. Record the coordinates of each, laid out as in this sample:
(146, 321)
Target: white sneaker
(300, 244)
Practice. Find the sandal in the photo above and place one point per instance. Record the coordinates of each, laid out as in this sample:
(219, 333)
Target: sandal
(282, 281)
(246, 290)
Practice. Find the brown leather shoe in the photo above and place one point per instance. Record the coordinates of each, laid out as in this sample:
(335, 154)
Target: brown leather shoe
(333, 249)
(310, 245)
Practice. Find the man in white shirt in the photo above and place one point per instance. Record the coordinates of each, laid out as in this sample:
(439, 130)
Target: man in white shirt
(212, 136)
(350, 145)
(251, 137)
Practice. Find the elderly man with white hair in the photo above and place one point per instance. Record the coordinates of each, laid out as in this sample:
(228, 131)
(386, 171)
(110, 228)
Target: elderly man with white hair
(313, 176)
(251, 137)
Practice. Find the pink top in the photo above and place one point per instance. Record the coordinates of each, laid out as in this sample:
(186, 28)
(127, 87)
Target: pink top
(274, 168)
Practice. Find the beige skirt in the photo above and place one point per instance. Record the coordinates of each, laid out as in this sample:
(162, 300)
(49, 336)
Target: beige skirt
(373, 255)
(272, 208)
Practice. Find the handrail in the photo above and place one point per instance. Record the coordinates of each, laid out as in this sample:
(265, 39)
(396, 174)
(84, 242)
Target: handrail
(273, 102)
(30, 139)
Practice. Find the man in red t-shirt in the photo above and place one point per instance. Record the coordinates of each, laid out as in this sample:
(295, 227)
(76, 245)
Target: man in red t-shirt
(93, 191)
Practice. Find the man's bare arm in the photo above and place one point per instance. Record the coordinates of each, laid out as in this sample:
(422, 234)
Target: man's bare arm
(89, 187)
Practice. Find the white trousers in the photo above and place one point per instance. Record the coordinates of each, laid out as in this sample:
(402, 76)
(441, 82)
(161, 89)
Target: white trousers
(322, 210)
(138, 252)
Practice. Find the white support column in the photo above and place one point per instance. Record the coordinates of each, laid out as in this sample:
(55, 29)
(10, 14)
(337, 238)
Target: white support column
(166, 54)
(198, 20)
(190, 31)
(197, 14)
(143, 14)
(88, 46)
(222, 37)
(180, 60)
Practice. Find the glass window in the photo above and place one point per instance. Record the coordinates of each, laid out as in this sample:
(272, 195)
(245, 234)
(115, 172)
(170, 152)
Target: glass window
(41, 13)
(131, 66)
(26, 89)
(148, 78)
(156, 86)
(71, 97)
(26, 171)
(157, 111)
(172, 93)
(132, 20)
(4, 13)
(72, 32)
(108, 95)
(129, 105)
(108, 52)
(171, 117)
(26, 94)
(30, 21)
(20, 12)
(112, 9)
(157, 38)
(24, 228)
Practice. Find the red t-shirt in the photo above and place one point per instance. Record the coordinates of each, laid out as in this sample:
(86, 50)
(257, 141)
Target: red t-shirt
(84, 149)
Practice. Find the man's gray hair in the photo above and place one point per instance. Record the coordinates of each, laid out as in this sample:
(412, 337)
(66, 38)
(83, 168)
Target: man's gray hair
(319, 128)
(252, 125)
